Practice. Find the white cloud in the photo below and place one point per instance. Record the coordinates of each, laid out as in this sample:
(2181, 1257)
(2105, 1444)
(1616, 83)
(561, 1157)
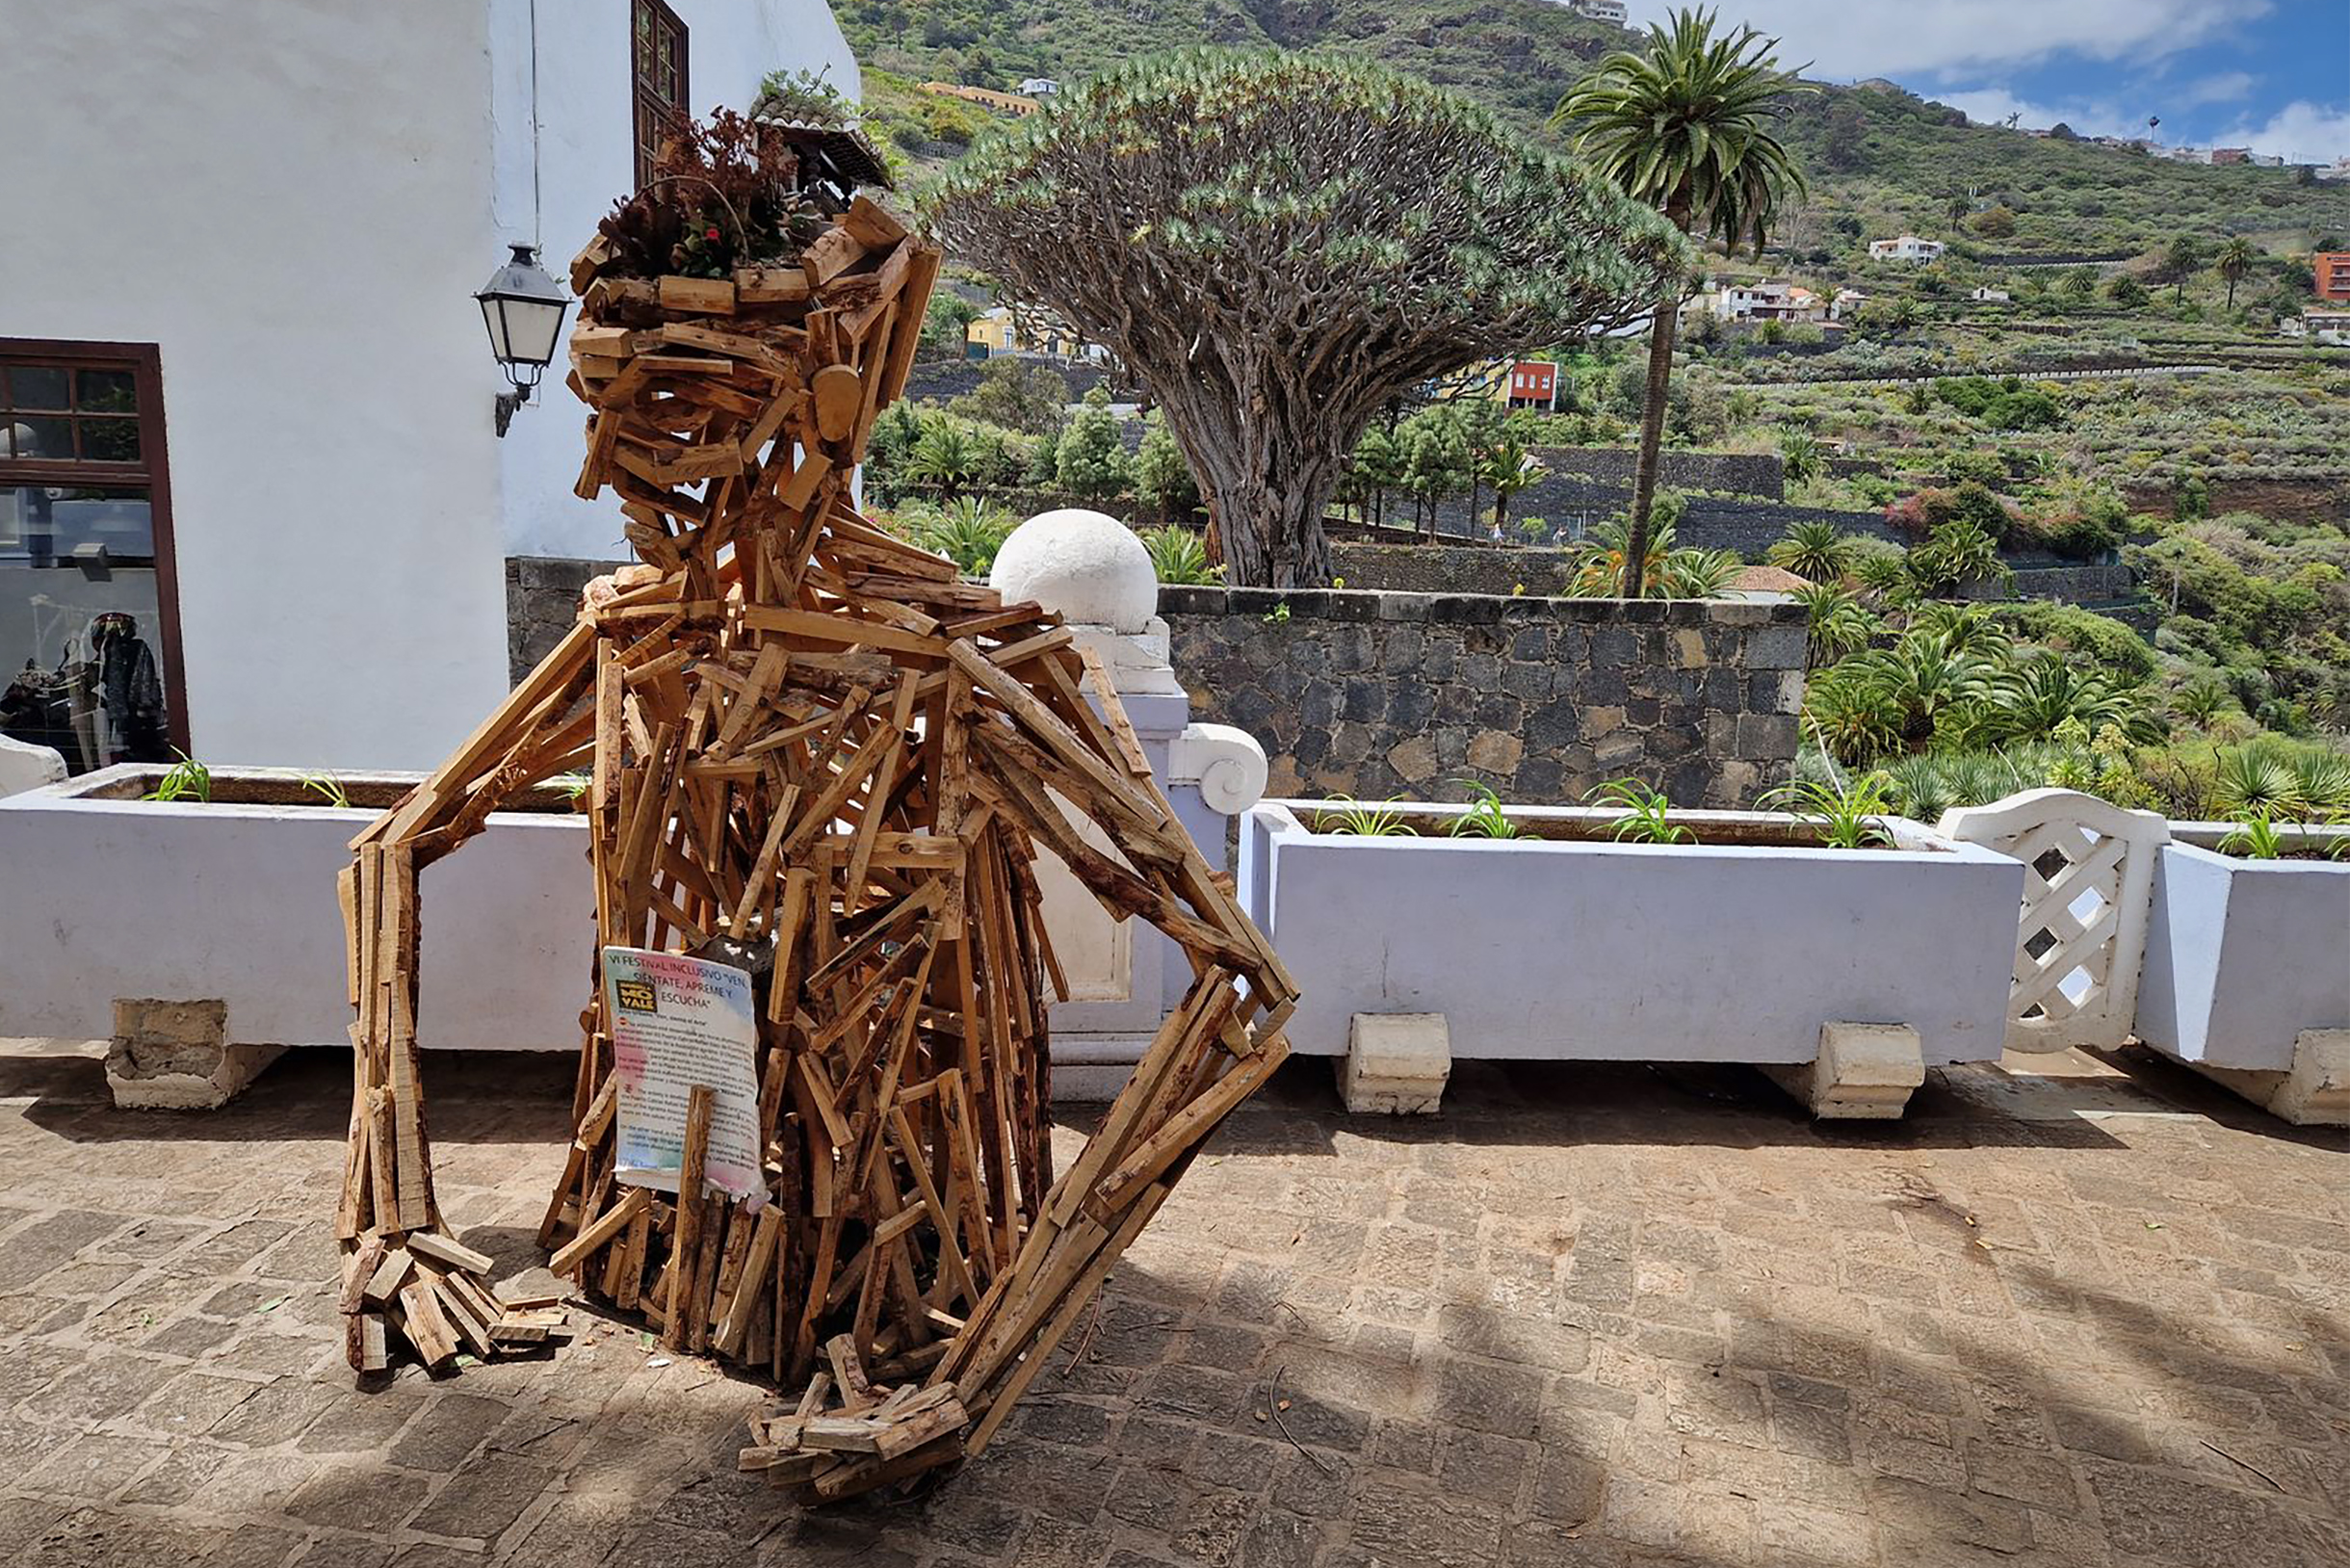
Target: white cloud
(2222, 86)
(2301, 131)
(1846, 38)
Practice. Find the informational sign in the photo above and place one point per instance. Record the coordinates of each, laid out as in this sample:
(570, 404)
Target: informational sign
(678, 1022)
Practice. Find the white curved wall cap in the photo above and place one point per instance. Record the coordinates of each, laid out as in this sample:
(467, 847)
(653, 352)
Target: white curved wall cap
(1087, 565)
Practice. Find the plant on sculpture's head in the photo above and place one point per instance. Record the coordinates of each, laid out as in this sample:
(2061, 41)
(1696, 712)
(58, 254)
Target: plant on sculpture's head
(1484, 819)
(187, 780)
(1647, 814)
(1347, 815)
(723, 193)
(1850, 818)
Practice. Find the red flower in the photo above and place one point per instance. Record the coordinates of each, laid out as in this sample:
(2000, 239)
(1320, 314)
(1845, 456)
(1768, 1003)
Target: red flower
(711, 233)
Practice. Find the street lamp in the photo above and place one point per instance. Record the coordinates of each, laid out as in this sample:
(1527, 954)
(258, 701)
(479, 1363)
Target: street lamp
(523, 308)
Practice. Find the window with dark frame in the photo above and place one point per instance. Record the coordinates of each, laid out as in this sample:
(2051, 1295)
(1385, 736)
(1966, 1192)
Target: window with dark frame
(658, 51)
(88, 619)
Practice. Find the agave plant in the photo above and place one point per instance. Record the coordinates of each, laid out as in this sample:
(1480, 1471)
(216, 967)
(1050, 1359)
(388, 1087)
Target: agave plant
(1647, 814)
(2321, 783)
(1179, 556)
(2247, 779)
(1918, 787)
(1816, 549)
(1836, 623)
(966, 530)
(1695, 574)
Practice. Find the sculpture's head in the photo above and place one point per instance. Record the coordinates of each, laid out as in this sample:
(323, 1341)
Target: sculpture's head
(735, 343)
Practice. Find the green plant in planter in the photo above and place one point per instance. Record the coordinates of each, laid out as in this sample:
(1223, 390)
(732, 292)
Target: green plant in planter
(1484, 819)
(1347, 815)
(2256, 836)
(188, 780)
(1647, 814)
(1850, 818)
(327, 788)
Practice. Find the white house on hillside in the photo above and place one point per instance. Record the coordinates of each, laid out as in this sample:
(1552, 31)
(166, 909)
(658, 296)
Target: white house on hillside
(1908, 247)
(253, 498)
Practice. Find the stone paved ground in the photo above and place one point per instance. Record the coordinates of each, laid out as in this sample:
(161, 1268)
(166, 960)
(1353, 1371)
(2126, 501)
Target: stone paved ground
(1591, 1315)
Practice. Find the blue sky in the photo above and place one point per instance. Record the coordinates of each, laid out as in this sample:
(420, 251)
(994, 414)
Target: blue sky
(2270, 74)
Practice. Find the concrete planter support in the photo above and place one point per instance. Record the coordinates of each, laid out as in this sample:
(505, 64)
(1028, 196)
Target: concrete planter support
(2247, 974)
(1729, 952)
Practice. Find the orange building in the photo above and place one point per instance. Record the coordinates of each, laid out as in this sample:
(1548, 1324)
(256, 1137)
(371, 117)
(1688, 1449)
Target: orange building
(2333, 269)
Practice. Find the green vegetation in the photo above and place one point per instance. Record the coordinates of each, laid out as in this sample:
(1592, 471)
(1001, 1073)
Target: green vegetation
(1484, 819)
(1687, 125)
(1647, 814)
(1177, 208)
(188, 779)
(1347, 815)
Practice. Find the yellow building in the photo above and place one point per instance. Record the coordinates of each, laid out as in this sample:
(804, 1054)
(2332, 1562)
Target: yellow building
(994, 332)
(1002, 103)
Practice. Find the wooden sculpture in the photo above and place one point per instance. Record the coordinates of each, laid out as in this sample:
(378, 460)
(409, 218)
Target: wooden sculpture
(814, 752)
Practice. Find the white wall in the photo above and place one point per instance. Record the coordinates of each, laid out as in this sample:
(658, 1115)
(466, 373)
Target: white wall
(586, 160)
(296, 202)
(287, 200)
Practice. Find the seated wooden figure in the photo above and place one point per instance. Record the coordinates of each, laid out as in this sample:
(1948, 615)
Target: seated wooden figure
(815, 753)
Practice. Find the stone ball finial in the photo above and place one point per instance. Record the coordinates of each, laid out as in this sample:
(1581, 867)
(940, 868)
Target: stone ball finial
(1085, 564)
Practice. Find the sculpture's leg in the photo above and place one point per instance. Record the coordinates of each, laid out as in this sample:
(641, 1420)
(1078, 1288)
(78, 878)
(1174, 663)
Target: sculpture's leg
(399, 1268)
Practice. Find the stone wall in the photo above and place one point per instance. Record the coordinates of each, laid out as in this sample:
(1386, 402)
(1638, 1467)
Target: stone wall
(1376, 695)
(1405, 695)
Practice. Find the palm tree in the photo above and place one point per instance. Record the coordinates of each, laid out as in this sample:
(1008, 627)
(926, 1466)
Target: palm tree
(1695, 574)
(1684, 125)
(1799, 452)
(1507, 465)
(1836, 621)
(2048, 693)
(2233, 261)
(1815, 549)
(1931, 689)
(2182, 261)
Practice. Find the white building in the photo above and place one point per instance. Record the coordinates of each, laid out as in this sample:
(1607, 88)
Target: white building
(1908, 247)
(1602, 11)
(1987, 294)
(2317, 324)
(1039, 86)
(1846, 302)
(249, 393)
(1769, 299)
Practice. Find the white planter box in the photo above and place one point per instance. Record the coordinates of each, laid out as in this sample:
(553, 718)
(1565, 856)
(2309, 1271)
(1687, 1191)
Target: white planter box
(2243, 956)
(105, 896)
(1597, 950)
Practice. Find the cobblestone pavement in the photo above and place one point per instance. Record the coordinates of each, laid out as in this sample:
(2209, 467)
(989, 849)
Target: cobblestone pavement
(1602, 1315)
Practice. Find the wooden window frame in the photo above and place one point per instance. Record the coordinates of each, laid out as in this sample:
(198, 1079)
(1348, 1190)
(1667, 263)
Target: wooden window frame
(152, 471)
(641, 92)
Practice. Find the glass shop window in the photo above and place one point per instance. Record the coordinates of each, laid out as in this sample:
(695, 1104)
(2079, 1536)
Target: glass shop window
(88, 626)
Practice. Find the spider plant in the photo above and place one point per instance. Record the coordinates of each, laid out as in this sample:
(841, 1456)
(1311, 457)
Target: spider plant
(1347, 815)
(1851, 818)
(1484, 819)
(327, 788)
(188, 780)
(1647, 814)
(2256, 836)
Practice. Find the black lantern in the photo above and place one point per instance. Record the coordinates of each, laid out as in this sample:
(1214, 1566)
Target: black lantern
(523, 308)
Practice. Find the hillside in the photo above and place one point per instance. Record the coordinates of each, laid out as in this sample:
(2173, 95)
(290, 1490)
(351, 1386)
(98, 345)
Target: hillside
(1880, 160)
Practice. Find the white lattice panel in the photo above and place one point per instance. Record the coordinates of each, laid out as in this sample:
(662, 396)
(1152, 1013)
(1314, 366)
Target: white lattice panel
(2080, 938)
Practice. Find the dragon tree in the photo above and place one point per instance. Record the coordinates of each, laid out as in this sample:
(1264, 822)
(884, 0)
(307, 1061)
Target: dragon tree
(1280, 245)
